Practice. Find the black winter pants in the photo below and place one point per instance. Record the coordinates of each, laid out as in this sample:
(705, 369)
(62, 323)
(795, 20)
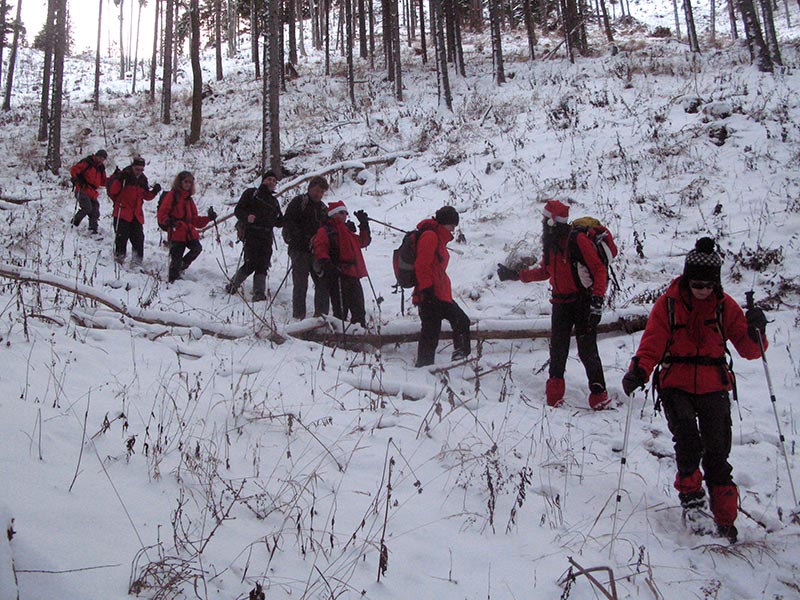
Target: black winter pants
(701, 430)
(347, 295)
(565, 317)
(125, 231)
(87, 207)
(302, 269)
(257, 258)
(432, 313)
(178, 261)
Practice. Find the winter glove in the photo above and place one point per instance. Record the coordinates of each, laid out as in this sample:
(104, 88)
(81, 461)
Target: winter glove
(595, 311)
(168, 224)
(634, 379)
(756, 322)
(351, 226)
(212, 214)
(363, 219)
(156, 188)
(506, 274)
(327, 268)
(428, 295)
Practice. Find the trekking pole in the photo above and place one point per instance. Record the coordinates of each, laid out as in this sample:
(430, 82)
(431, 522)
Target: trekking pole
(221, 249)
(623, 461)
(750, 305)
(378, 299)
(280, 285)
(386, 225)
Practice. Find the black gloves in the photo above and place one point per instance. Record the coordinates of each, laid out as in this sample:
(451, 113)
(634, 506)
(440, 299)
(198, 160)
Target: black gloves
(756, 322)
(350, 226)
(634, 379)
(156, 188)
(363, 219)
(327, 268)
(595, 311)
(505, 274)
(168, 224)
(212, 214)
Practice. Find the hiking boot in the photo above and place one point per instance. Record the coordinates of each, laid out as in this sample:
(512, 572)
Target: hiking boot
(695, 515)
(598, 399)
(258, 297)
(554, 391)
(728, 531)
(459, 355)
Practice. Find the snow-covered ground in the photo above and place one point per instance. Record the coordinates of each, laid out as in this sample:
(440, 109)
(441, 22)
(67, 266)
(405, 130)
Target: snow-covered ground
(167, 460)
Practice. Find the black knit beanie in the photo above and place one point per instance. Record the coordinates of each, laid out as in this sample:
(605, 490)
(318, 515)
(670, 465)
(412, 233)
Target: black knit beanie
(447, 215)
(704, 262)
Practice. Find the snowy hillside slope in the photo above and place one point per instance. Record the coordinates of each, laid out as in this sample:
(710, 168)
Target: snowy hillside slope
(168, 463)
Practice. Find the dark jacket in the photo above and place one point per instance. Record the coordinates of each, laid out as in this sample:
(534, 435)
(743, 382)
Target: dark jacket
(88, 175)
(130, 192)
(302, 219)
(260, 203)
(695, 334)
(178, 205)
(432, 260)
(560, 269)
(335, 241)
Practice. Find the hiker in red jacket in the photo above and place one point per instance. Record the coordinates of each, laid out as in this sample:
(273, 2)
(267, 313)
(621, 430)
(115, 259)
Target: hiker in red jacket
(433, 294)
(574, 305)
(685, 340)
(129, 189)
(178, 216)
(88, 176)
(337, 250)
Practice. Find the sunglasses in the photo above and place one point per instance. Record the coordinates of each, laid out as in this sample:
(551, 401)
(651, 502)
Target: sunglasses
(702, 285)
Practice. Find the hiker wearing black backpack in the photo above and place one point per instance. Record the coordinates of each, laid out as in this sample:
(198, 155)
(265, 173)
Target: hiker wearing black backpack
(578, 279)
(301, 221)
(177, 215)
(129, 189)
(257, 213)
(685, 343)
(340, 263)
(88, 175)
(433, 293)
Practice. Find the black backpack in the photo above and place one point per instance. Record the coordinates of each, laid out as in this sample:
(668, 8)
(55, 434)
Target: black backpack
(162, 226)
(404, 257)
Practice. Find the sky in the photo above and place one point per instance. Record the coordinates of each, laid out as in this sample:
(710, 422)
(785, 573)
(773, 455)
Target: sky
(84, 22)
(200, 439)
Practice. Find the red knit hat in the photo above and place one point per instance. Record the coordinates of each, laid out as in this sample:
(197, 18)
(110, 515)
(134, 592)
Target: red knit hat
(556, 211)
(336, 207)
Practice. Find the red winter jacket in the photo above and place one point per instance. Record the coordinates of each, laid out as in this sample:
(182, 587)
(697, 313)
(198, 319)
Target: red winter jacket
(695, 334)
(131, 192)
(349, 259)
(90, 176)
(179, 205)
(432, 260)
(560, 269)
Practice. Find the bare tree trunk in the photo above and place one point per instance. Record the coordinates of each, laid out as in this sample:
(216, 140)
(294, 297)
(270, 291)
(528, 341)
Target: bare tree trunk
(712, 22)
(606, 21)
(676, 14)
(326, 4)
(136, 47)
(121, 40)
(130, 38)
(768, 19)
(47, 71)
(732, 20)
(233, 27)
(422, 43)
(300, 28)
(271, 141)
(497, 45)
(197, 73)
(97, 56)
(2, 35)
(218, 37)
(290, 20)
(371, 10)
(437, 35)
(363, 50)
(398, 69)
(691, 31)
(349, 27)
(527, 17)
(53, 160)
(255, 29)
(176, 43)
(460, 64)
(12, 59)
(154, 61)
(166, 81)
(448, 11)
(759, 53)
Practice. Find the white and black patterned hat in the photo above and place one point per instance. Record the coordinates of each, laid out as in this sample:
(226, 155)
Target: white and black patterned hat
(704, 262)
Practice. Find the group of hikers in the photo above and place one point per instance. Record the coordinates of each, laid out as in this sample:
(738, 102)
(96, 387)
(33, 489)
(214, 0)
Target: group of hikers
(683, 346)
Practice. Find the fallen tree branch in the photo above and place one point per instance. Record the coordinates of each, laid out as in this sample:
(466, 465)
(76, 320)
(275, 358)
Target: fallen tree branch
(152, 317)
(612, 595)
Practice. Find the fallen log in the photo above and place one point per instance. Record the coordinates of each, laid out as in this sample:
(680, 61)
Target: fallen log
(329, 332)
(151, 317)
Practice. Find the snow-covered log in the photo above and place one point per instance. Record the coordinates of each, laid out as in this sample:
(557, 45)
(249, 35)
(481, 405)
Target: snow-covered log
(152, 317)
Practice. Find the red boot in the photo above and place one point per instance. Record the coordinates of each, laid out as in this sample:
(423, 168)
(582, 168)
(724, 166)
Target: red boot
(725, 506)
(554, 391)
(598, 399)
(689, 484)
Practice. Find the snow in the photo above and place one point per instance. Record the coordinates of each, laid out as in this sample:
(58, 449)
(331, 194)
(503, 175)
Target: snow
(183, 443)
